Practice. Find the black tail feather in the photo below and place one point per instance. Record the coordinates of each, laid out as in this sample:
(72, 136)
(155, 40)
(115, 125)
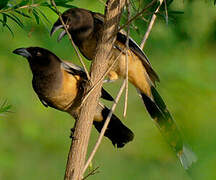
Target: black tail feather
(105, 95)
(116, 131)
(167, 126)
(163, 119)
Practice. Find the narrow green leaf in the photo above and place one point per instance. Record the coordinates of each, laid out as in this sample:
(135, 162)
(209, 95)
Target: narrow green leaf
(5, 107)
(35, 13)
(44, 15)
(8, 27)
(3, 3)
(53, 9)
(22, 3)
(169, 2)
(58, 3)
(62, 1)
(44, 4)
(176, 12)
(22, 13)
(65, 5)
(133, 5)
(15, 19)
(4, 19)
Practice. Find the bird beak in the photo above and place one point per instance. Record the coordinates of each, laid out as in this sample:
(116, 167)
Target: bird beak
(23, 52)
(56, 28)
(61, 35)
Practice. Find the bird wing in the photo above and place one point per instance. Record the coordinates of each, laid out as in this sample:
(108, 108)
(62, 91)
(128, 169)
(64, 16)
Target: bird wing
(134, 47)
(77, 70)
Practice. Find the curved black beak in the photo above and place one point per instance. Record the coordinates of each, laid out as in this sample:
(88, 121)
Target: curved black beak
(23, 52)
(56, 28)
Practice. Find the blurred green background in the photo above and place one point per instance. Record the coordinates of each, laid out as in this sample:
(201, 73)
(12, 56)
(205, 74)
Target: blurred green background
(34, 140)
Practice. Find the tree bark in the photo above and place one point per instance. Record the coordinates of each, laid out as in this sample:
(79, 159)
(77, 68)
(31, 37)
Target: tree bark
(78, 149)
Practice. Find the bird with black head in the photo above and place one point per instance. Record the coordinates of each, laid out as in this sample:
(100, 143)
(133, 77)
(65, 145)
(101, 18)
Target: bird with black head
(59, 84)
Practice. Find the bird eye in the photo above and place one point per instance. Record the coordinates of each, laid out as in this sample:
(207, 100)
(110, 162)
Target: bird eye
(38, 53)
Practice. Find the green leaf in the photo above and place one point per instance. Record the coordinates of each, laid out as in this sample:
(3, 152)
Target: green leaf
(65, 5)
(176, 12)
(5, 107)
(3, 3)
(62, 1)
(36, 15)
(45, 4)
(51, 8)
(15, 19)
(168, 2)
(59, 3)
(4, 19)
(8, 27)
(23, 3)
(44, 16)
(22, 13)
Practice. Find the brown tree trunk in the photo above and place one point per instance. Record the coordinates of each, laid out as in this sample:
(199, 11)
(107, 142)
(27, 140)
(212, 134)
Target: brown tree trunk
(78, 149)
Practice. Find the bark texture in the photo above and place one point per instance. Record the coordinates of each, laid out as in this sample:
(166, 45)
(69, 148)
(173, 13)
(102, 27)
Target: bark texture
(79, 145)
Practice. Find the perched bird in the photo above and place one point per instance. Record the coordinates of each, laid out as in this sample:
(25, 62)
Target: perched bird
(84, 27)
(59, 84)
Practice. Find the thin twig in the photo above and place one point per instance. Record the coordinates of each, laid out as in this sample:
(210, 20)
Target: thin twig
(166, 12)
(138, 14)
(126, 58)
(21, 7)
(104, 127)
(133, 26)
(94, 171)
(70, 38)
(154, 16)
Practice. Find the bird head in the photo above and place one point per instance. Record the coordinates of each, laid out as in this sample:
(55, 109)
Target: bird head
(79, 23)
(39, 58)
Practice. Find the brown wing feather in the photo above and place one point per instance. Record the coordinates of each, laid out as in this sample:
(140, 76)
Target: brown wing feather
(121, 37)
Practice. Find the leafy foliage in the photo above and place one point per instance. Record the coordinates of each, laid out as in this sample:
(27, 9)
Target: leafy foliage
(4, 107)
(140, 24)
(166, 13)
(16, 10)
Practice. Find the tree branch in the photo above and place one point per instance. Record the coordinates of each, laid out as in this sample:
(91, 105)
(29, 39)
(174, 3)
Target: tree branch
(77, 154)
(21, 7)
(154, 16)
(94, 171)
(138, 14)
(126, 58)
